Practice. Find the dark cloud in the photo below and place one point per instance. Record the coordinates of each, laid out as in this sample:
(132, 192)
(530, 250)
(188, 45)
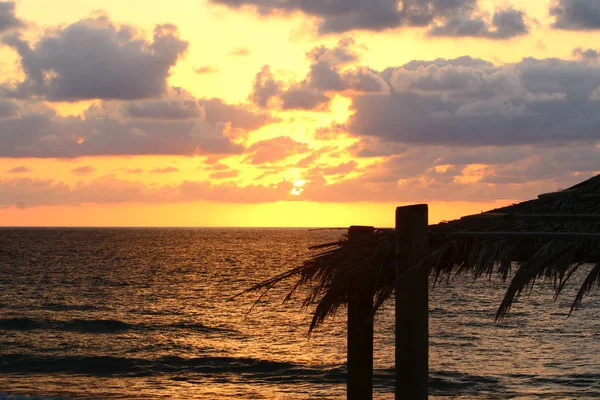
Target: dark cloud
(96, 59)
(587, 55)
(165, 170)
(546, 164)
(206, 69)
(299, 98)
(8, 109)
(336, 16)
(240, 51)
(464, 61)
(365, 80)
(181, 105)
(83, 170)
(576, 14)
(345, 52)
(238, 115)
(163, 109)
(265, 87)
(8, 19)
(45, 134)
(505, 24)
(178, 124)
(326, 75)
(328, 78)
(446, 17)
(18, 170)
(472, 103)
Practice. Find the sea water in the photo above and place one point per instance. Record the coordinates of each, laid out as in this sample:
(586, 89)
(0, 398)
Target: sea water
(148, 313)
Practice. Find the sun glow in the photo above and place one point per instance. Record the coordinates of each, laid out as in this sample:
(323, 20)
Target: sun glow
(298, 187)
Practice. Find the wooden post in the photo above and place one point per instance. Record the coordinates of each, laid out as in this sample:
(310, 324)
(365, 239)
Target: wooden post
(412, 331)
(360, 333)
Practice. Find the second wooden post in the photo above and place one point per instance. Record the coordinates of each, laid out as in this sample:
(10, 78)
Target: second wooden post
(412, 310)
(360, 332)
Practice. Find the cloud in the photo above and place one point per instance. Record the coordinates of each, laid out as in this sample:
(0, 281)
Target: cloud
(238, 115)
(18, 170)
(265, 87)
(224, 174)
(215, 167)
(134, 171)
(326, 71)
(468, 102)
(37, 192)
(96, 59)
(345, 52)
(163, 109)
(8, 109)
(178, 124)
(576, 14)
(8, 19)
(379, 15)
(84, 170)
(328, 74)
(415, 173)
(299, 98)
(206, 69)
(336, 16)
(340, 169)
(505, 24)
(39, 134)
(240, 51)
(165, 170)
(109, 190)
(590, 55)
(273, 150)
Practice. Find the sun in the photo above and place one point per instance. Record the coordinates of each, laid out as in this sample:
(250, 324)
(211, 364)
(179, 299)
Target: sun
(298, 187)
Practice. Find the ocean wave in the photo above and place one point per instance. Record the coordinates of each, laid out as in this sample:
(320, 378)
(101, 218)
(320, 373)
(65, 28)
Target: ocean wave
(76, 325)
(177, 368)
(198, 327)
(4, 396)
(181, 368)
(126, 366)
(20, 324)
(97, 325)
(70, 307)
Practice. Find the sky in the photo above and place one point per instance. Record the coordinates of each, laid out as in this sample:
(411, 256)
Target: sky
(291, 112)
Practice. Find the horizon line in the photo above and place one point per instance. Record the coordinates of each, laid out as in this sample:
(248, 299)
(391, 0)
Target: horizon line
(170, 227)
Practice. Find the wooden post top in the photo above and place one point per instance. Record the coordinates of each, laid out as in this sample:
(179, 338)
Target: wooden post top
(361, 228)
(419, 208)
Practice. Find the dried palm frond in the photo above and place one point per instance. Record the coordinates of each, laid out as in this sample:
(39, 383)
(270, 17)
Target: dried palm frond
(338, 270)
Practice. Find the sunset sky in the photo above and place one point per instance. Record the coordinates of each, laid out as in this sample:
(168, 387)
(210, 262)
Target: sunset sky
(291, 112)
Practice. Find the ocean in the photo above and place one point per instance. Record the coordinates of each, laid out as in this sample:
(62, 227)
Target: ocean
(148, 314)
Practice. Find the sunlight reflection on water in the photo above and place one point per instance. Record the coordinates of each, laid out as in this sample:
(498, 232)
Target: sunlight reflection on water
(144, 313)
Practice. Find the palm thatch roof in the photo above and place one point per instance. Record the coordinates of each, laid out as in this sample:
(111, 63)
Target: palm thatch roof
(550, 237)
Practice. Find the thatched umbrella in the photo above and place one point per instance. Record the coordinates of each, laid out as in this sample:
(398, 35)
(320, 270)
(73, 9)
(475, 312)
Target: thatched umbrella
(550, 237)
